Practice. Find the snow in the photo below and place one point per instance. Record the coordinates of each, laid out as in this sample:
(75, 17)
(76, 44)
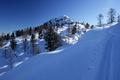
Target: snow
(53, 52)
(7, 44)
(95, 57)
(72, 39)
(4, 66)
(17, 64)
(65, 21)
(2, 73)
(21, 54)
(104, 26)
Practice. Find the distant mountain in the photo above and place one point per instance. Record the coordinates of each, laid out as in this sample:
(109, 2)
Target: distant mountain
(60, 20)
(64, 24)
(64, 21)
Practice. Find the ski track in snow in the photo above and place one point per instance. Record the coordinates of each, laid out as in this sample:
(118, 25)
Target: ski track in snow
(105, 63)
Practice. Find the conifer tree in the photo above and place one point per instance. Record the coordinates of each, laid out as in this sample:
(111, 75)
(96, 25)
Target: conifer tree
(1, 42)
(92, 26)
(52, 39)
(111, 16)
(25, 44)
(12, 35)
(13, 44)
(33, 42)
(35, 48)
(8, 36)
(30, 31)
(100, 18)
(74, 30)
(12, 50)
(87, 26)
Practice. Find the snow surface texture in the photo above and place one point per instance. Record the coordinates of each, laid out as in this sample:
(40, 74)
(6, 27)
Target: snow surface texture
(95, 57)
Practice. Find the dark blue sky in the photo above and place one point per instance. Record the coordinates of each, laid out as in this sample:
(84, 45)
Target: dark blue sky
(17, 14)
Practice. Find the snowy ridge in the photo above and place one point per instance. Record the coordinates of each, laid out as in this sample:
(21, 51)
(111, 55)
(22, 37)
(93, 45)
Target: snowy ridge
(63, 24)
(95, 57)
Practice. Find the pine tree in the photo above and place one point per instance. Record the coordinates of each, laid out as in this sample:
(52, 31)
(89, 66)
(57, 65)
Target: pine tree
(12, 51)
(13, 44)
(111, 16)
(35, 48)
(8, 36)
(1, 42)
(17, 33)
(25, 43)
(87, 26)
(100, 18)
(33, 42)
(74, 30)
(2, 39)
(52, 39)
(30, 31)
(13, 36)
(92, 26)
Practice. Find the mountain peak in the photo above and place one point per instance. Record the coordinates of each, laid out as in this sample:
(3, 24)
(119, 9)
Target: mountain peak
(65, 16)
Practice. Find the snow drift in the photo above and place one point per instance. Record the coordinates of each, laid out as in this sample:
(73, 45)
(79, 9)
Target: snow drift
(95, 57)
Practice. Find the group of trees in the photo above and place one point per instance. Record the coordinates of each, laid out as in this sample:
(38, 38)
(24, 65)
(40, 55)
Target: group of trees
(52, 39)
(10, 52)
(9, 36)
(112, 17)
(35, 48)
(45, 32)
(48, 32)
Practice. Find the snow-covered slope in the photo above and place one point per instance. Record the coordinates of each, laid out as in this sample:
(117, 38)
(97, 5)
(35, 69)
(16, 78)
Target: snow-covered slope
(61, 26)
(95, 57)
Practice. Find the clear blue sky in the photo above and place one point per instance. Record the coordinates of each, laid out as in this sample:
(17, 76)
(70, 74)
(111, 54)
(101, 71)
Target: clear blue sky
(17, 14)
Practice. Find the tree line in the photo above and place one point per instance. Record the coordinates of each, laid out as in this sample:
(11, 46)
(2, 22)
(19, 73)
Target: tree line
(45, 31)
(112, 16)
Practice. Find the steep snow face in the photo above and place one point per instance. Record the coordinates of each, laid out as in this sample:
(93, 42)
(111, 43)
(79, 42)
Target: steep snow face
(95, 57)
